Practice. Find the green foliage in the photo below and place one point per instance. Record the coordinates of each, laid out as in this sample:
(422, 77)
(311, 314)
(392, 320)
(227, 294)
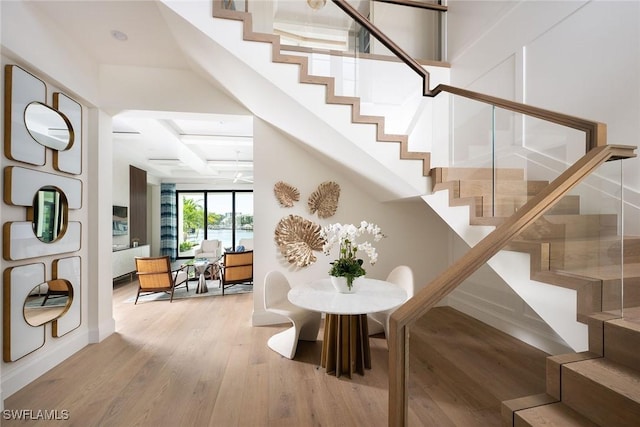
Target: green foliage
(185, 246)
(245, 220)
(347, 267)
(192, 215)
(213, 218)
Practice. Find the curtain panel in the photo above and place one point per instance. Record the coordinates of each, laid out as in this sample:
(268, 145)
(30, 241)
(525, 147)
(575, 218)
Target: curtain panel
(168, 221)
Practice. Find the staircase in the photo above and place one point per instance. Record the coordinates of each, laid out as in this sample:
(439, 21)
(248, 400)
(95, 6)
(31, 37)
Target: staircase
(581, 252)
(256, 72)
(599, 387)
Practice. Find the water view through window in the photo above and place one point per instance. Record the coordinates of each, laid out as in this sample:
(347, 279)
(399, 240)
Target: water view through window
(228, 216)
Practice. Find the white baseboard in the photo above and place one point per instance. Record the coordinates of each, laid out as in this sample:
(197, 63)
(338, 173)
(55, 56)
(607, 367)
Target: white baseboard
(106, 328)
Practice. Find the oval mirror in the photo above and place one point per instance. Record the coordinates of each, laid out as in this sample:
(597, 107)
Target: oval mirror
(48, 126)
(50, 214)
(47, 302)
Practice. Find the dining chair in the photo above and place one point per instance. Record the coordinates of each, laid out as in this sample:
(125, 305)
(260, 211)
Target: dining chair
(401, 276)
(306, 323)
(155, 275)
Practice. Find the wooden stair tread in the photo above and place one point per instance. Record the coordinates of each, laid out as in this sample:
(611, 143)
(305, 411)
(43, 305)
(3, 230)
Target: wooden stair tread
(503, 187)
(632, 315)
(559, 227)
(614, 376)
(552, 415)
(607, 272)
(568, 205)
(455, 174)
(627, 322)
(606, 392)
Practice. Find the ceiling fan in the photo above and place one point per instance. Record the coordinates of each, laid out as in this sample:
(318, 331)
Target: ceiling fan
(239, 175)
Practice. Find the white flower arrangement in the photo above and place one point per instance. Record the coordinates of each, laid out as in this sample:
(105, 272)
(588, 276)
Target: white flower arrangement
(346, 235)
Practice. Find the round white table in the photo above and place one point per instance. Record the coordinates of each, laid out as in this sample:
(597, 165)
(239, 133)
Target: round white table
(346, 334)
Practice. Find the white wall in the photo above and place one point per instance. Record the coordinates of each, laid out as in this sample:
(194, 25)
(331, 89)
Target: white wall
(415, 235)
(576, 57)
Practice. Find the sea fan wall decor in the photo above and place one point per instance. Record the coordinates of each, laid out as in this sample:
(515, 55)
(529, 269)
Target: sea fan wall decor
(286, 194)
(297, 238)
(324, 200)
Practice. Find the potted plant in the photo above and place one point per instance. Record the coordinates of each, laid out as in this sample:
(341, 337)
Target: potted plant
(348, 266)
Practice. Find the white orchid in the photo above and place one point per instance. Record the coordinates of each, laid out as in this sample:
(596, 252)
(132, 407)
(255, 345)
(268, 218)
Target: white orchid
(346, 236)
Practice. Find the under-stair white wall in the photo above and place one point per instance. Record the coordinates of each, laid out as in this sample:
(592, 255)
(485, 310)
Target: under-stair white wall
(415, 235)
(487, 297)
(556, 306)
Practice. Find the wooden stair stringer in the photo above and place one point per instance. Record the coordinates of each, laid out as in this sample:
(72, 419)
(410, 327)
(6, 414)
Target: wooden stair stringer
(329, 82)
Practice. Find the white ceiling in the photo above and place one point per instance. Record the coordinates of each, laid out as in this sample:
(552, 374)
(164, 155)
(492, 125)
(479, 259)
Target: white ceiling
(189, 147)
(212, 148)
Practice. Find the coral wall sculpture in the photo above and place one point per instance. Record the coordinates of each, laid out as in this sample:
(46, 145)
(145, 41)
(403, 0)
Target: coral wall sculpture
(324, 200)
(286, 194)
(297, 239)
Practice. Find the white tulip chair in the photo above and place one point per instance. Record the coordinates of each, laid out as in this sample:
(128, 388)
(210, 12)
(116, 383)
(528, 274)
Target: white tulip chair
(401, 276)
(306, 323)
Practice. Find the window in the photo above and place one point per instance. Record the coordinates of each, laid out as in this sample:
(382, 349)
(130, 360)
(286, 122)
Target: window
(228, 214)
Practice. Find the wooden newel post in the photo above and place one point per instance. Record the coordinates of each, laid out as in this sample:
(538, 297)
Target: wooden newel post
(398, 373)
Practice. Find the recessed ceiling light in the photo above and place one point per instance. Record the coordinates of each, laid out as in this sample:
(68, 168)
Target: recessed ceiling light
(119, 35)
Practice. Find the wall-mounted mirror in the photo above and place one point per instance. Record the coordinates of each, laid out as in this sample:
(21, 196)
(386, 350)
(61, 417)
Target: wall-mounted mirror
(47, 301)
(50, 213)
(48, 126)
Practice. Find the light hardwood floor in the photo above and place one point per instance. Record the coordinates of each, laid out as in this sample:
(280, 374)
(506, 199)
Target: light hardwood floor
(199, 362)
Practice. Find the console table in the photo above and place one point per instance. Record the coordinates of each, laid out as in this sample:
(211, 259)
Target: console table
(123, 260)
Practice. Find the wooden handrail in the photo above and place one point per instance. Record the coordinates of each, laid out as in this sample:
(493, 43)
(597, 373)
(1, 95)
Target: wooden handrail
(382, 38)
(418, 4)
(596, 133)
(477, 256)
